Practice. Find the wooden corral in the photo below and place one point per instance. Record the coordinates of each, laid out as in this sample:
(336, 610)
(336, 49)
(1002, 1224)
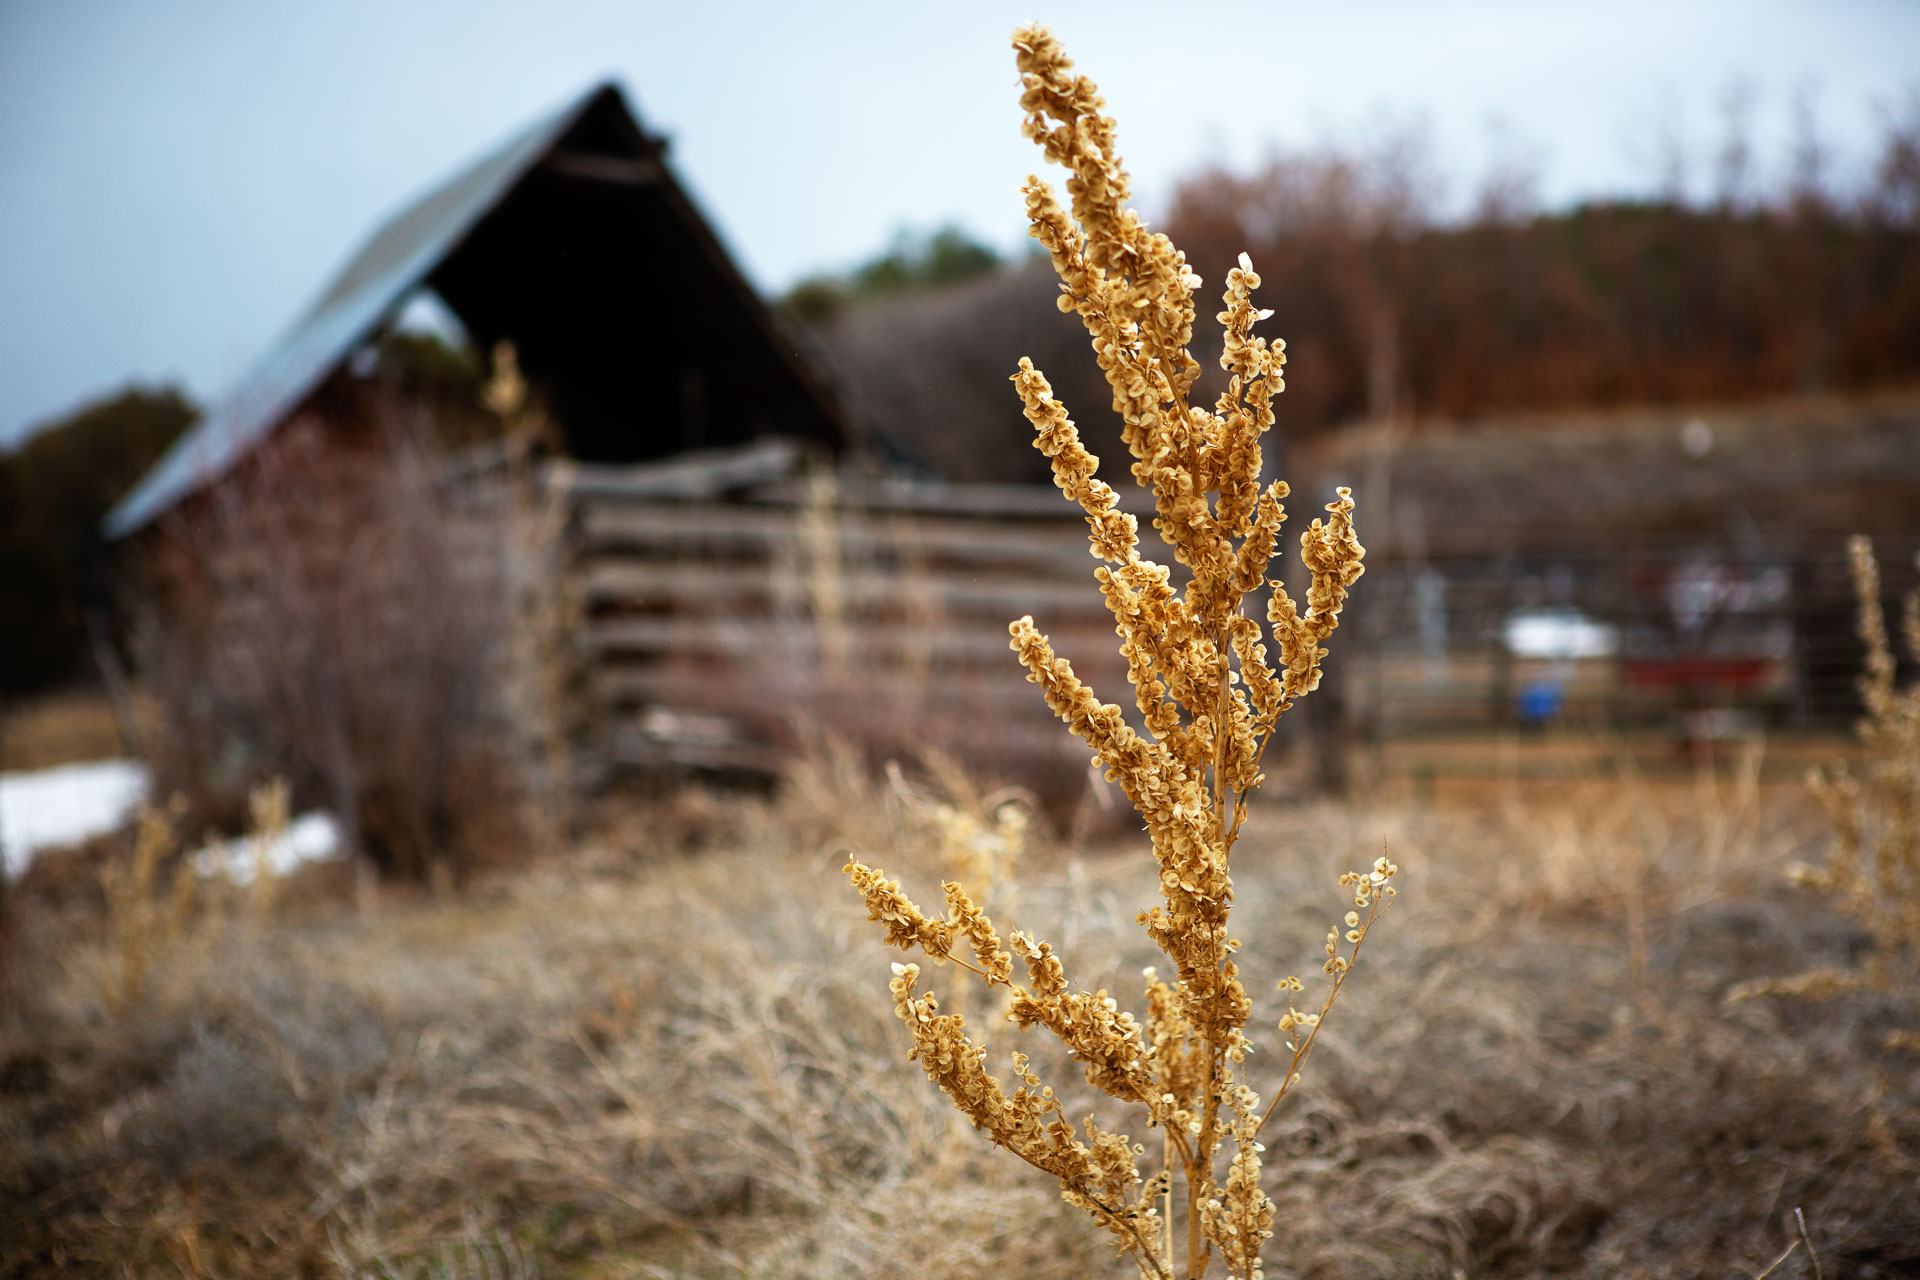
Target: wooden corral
(1694, 564)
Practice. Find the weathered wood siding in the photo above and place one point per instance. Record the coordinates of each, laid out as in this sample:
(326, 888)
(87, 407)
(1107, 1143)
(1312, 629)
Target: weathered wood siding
(728, 607)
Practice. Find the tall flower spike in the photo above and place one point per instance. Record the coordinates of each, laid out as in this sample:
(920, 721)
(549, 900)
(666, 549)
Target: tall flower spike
(1208, 699)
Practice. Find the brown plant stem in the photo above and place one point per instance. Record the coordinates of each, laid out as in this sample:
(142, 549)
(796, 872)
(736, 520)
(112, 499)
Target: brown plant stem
(1333, 993)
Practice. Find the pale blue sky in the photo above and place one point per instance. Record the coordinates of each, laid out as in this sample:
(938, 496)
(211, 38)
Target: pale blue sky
(177, 180)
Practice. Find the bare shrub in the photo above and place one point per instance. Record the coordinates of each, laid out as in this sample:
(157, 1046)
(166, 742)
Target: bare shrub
(333, 616)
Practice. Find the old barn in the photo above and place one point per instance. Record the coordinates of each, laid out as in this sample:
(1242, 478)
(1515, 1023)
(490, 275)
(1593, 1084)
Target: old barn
(574, 241)
(725, 566)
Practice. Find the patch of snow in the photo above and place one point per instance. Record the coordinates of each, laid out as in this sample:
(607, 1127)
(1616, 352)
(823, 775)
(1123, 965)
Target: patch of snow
(47, 808)
(310, 837)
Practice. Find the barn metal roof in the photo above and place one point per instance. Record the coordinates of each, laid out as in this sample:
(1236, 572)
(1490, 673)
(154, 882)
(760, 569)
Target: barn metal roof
(578, 199)
(373, 285)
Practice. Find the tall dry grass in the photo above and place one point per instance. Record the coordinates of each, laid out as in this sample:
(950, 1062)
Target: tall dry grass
(1871, 868)
(661, 1056)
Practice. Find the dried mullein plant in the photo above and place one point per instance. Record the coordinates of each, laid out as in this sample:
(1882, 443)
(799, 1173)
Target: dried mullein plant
(1209, 700)
(1872, 871)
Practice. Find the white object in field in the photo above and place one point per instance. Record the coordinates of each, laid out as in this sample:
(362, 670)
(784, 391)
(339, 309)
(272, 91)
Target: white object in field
(64, 805)
(1559, 633)
(311, 837)
(1697, 439)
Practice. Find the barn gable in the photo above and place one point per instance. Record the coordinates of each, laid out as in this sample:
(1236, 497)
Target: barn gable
(573, 240)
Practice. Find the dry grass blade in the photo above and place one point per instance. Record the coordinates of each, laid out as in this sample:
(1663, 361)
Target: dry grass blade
(1800, 1220)
(1780, 1261)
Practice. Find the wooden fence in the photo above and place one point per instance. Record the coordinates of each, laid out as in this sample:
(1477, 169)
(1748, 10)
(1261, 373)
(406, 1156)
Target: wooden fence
(728, 605)
(1726, 638)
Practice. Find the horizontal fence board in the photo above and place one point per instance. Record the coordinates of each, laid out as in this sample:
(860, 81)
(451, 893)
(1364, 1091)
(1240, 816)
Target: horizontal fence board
(689, 477)
(1055, 546)
(747, 693)
(633, 743)
(931, 497)
(630, 746)
(612, 639)
(747, 587)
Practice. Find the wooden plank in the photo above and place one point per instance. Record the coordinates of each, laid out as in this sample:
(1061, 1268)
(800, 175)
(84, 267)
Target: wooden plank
(665, 636)
(721, 587)
(687, 477)
(933, 497)
(736, 531)
(628, 746)
(631, 747)
(766, 473)
(612, 170)
(710, 691)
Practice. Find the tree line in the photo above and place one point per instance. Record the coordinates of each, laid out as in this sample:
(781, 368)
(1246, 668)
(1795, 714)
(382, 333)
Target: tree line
(1392, 306)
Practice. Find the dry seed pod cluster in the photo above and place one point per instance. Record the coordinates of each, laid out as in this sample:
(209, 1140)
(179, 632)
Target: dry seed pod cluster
(1209, 698)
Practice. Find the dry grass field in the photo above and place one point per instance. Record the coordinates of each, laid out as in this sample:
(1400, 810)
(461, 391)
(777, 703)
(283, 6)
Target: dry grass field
(1625, 1009)
(668, 1051)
